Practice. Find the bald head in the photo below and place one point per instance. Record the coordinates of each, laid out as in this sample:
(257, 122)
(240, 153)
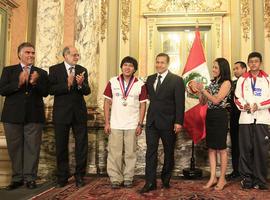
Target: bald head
(71, 55)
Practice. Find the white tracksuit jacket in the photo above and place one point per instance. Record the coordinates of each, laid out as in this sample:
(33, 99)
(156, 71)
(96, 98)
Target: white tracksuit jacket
(260, 95)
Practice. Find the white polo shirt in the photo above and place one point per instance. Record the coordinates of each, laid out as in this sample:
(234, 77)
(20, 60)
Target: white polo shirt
(125, 117)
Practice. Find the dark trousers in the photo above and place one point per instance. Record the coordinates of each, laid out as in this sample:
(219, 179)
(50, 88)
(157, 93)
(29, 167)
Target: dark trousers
(254, 145)
(168, 138)
(23, 143)
(234, 133)
(62, 152)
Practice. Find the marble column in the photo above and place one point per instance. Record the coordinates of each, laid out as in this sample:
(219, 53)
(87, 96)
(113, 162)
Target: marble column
(49, 40)
(49, 35)
(87, 35)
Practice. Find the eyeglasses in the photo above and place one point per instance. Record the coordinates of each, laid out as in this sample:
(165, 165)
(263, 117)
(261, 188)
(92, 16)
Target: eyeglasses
(75, 55)
(254, 61)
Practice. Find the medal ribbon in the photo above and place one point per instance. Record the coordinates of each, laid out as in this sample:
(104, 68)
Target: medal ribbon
(253, 84)
(125, 91)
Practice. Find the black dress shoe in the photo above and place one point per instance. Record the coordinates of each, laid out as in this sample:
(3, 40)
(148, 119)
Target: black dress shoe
(31, 184)
(166, 185)
(61, 184)
(79, 182)
(148, 187)
(261, 186)
(245, 184)
(14, 185)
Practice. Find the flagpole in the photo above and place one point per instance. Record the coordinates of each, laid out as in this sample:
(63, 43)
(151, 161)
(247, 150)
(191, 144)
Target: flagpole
(195, 67)
(192, 172)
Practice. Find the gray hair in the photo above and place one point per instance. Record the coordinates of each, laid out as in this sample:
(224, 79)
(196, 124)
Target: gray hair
(66, 50)
(23, 45)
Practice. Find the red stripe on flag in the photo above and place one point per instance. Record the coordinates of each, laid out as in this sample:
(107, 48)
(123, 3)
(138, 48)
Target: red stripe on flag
(196, 55)
(194, 122)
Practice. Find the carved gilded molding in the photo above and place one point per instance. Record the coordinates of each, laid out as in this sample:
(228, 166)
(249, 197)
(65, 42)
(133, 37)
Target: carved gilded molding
(267, 18)
(245, 19)
(184, 5)
(218, 30)
(104, 19)
(8, 5)
(125, 18)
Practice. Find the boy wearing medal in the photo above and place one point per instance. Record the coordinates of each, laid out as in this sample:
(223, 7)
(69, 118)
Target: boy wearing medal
(252, 97)
(124, 110)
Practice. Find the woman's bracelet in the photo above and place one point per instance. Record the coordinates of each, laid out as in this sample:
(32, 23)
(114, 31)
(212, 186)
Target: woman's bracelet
(202, 91)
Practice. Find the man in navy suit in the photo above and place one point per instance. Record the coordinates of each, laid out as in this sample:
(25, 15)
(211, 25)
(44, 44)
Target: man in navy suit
(69, 84)
(24, 87)
(164, 120)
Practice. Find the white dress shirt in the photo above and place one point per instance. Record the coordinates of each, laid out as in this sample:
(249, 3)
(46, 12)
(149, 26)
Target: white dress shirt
(163, 75)
(69, 66)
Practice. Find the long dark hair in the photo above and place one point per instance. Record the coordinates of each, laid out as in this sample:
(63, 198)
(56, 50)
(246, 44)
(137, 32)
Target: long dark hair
(224, 68)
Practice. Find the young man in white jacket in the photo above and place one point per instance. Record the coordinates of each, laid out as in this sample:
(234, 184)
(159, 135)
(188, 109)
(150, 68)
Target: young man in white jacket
(252, 97)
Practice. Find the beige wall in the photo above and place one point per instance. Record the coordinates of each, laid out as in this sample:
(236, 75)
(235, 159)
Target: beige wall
(69, 22)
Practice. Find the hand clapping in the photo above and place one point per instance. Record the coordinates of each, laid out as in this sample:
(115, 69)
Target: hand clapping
(80, 78)
(33, 78)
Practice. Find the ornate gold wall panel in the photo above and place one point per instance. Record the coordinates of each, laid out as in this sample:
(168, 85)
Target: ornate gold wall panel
(245, 19)
(104, 19)
(185, 5)
(8, 6)
(125, 18)
(267, 18)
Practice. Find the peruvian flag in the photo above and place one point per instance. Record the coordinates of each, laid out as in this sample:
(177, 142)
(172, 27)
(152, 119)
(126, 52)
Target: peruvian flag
(195, 69)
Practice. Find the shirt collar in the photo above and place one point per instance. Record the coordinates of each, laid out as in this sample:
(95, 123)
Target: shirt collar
(68, 66)
(164, 74)
(23, 65)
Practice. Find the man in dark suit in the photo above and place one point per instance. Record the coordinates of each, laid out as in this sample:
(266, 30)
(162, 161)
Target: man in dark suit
(164, 120)
(239, 69)
(68, 84)
(23, 115)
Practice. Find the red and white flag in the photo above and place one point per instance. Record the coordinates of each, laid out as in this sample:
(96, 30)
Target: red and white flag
(195, 69)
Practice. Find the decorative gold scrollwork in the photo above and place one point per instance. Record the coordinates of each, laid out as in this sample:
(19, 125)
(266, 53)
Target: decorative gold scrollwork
(104, 19)
(125, 18)
(267, 18)
(245, 19)
(184, 5)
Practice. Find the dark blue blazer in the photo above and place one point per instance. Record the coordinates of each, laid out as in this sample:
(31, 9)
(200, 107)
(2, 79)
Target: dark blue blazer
(24, 104)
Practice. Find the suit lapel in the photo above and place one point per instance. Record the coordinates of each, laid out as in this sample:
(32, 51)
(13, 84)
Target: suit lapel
(76, 70)
(63, 70)
(19, 68)
(151, 83)
(165, 82)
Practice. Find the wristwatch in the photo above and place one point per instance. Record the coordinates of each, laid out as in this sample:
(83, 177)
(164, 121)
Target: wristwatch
(140, 125)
